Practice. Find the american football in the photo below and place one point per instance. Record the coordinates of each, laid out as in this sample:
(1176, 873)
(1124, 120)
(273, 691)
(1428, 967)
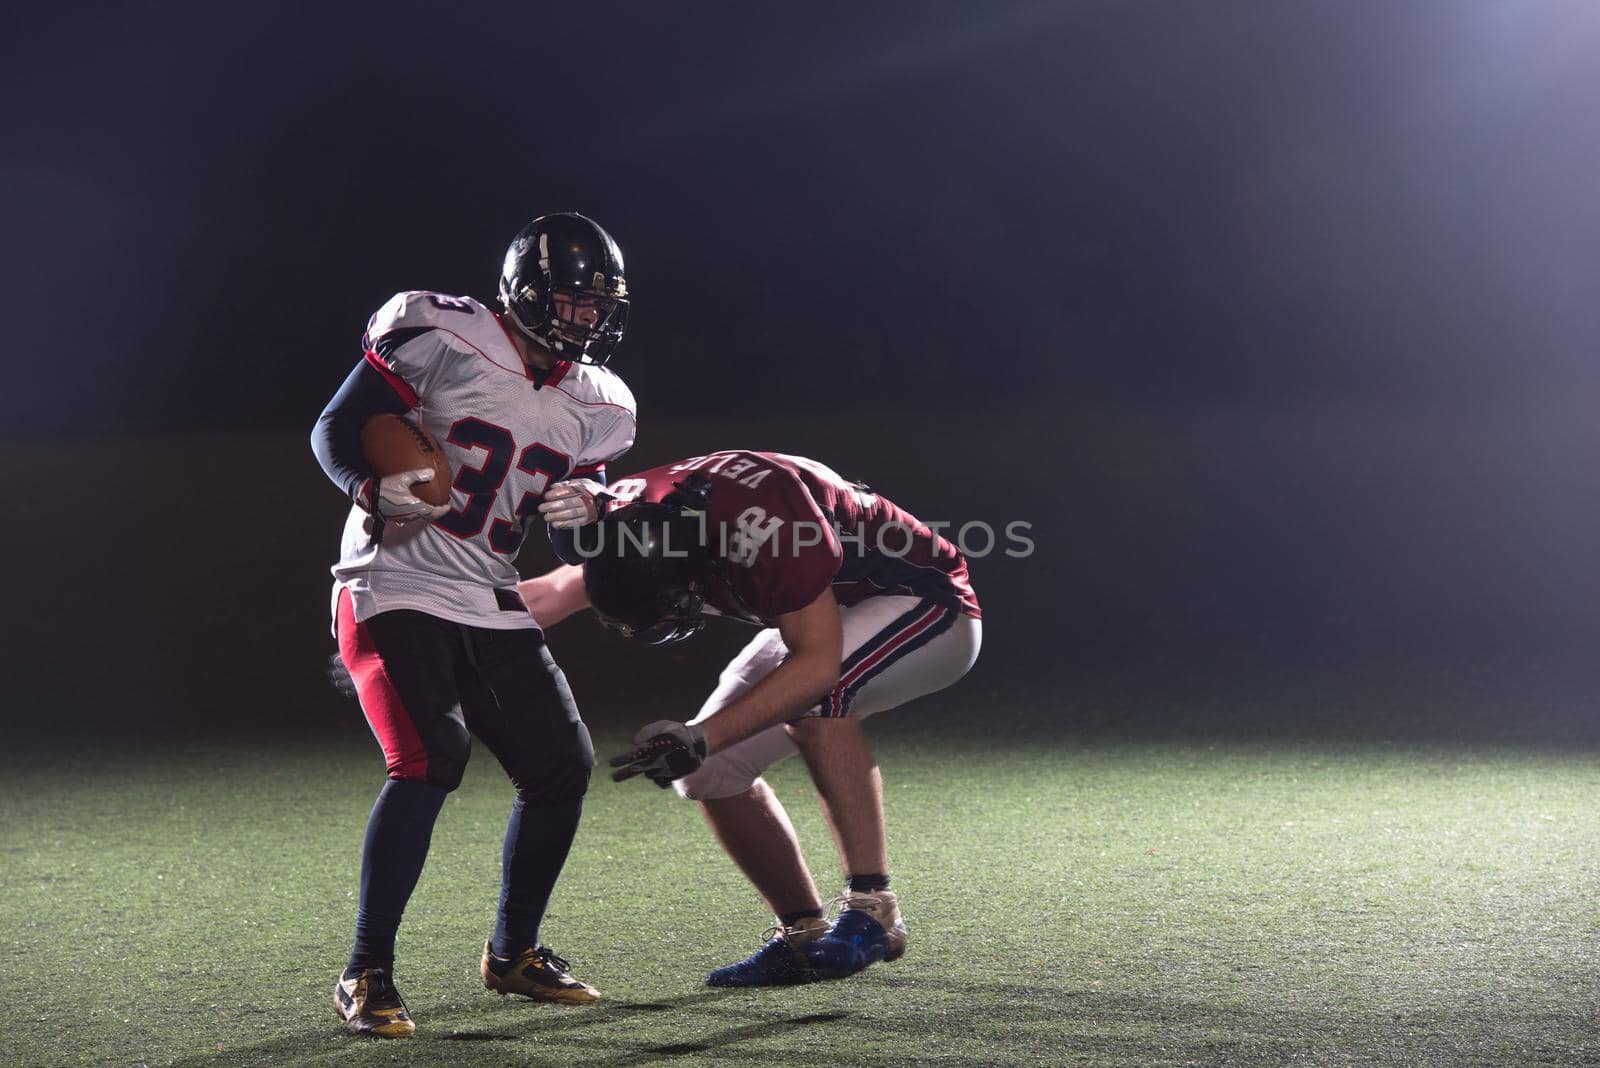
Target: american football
(392, 443)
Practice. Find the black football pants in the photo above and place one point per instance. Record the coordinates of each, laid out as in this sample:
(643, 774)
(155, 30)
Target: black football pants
(425, 683)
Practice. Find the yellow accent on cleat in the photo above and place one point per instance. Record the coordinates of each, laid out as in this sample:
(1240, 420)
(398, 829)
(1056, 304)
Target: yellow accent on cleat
(535, 973)
(369, 1004)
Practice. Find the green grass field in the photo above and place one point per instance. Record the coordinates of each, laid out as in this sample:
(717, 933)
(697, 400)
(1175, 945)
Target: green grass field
(1099, 903)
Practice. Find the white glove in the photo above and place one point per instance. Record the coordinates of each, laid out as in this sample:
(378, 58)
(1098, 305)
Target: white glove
(396, 503)
(573, 503)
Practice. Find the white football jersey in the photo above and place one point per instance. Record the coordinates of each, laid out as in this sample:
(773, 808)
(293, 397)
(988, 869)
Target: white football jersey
(508, 438)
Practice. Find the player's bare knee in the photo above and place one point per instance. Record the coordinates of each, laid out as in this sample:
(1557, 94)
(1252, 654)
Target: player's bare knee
(806, 727)
(821, 730)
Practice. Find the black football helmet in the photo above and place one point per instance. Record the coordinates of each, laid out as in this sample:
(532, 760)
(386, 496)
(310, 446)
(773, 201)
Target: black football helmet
(566, 255)
(648, 578)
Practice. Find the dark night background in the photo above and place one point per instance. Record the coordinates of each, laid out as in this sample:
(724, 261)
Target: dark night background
(1276, 320)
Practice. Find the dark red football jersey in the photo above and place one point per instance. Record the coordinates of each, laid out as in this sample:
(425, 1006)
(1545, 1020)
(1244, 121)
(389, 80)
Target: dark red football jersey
(786, 528)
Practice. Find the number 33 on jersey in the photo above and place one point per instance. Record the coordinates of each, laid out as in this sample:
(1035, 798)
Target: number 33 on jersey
(510, 433)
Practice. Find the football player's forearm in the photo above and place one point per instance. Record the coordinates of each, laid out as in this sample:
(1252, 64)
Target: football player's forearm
(815, 639)
(555, 595)
(786, 694)
(336, 437)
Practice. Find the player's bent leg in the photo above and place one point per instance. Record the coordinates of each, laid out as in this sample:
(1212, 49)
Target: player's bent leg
(754, 830)
(519, 704)
(540, 829)
(393, 852)
(749, 821)
(869, 927)
(842, 766)
(731, 771)
(403, 665)
(897, 649)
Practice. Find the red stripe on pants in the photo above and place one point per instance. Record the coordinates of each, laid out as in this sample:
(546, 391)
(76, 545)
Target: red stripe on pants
(403, 751)
(920, 624)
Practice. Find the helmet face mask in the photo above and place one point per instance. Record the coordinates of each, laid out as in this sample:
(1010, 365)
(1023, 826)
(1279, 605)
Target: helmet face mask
(644, 583)
(678, 621)
(586, 323)
(563, 285)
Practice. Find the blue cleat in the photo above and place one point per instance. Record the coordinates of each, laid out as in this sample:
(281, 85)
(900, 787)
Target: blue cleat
(868, 930)
(778, 962)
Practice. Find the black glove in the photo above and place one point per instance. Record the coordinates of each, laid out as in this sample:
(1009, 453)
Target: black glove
(663, 751)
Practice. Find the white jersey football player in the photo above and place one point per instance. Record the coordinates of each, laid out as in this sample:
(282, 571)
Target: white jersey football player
(510, 431)
(429, 623)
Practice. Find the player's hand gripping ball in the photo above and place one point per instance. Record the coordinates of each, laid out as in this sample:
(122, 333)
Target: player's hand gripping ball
(413, 473)
(663, 751)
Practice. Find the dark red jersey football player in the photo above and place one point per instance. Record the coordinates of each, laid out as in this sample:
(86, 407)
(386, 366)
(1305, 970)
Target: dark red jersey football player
(862, 607)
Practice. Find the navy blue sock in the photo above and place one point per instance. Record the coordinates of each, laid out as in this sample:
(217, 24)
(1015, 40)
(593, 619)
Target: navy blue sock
(538, 836)
(866, 884)
(398, 833)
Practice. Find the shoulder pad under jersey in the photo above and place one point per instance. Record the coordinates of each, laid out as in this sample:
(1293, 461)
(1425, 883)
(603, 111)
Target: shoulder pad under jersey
(417, 310)
(596, 385)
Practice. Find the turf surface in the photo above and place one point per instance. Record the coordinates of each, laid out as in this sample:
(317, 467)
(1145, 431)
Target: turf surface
(1104, 903)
